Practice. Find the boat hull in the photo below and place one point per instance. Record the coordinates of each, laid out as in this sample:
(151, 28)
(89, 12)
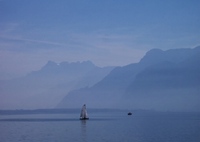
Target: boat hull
(84, 118)
(129, 113)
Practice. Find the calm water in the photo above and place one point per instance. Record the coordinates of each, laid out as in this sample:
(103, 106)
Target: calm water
(108, 126)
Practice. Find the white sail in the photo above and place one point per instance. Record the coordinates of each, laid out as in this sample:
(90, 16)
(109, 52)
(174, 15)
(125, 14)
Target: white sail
(84, 114)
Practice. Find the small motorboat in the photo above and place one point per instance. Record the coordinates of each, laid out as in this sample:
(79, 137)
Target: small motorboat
(129, 113)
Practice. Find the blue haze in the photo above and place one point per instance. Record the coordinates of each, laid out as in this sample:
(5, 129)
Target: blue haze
(163, 80)
(108, 33)
(46, 87)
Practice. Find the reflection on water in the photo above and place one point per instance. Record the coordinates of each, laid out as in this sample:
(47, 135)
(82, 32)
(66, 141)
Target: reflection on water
(105, 126)
(36, 119)
(84, 130)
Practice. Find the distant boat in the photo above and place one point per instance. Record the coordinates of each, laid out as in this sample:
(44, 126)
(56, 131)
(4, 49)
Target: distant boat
(129, 113)
(84, 115)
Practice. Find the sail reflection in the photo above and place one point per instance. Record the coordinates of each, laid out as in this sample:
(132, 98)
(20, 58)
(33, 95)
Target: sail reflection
(84, 130)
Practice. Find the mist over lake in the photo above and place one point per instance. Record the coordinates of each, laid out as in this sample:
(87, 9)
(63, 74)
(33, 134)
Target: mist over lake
(162, 80)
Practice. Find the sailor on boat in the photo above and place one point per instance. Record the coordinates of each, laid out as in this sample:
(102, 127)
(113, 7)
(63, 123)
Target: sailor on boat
(84, 115)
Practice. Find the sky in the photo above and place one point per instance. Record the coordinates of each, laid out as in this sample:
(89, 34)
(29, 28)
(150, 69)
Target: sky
(106, 32)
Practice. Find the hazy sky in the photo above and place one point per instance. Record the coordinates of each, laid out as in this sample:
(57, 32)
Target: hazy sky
(106, 32)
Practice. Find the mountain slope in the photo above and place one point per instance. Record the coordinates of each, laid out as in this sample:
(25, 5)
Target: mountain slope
(158, 74)
(46, 87)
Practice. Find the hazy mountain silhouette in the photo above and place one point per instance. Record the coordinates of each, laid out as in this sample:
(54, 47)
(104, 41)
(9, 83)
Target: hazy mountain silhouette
(168, 85)
(46, 87)
(162, 80)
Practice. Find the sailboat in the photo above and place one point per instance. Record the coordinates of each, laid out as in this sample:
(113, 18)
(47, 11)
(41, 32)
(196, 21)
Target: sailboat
(84, 115)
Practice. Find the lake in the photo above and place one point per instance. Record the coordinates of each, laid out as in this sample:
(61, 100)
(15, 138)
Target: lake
(103, 126)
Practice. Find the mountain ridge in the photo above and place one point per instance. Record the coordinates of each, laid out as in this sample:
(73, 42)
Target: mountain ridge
(121, 87)
(46, 87)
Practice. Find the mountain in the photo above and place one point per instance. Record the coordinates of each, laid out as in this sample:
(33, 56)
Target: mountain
(46, 87)
(162, 80)
(167, 85)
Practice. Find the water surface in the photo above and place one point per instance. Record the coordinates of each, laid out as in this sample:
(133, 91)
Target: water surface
(103, 126)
